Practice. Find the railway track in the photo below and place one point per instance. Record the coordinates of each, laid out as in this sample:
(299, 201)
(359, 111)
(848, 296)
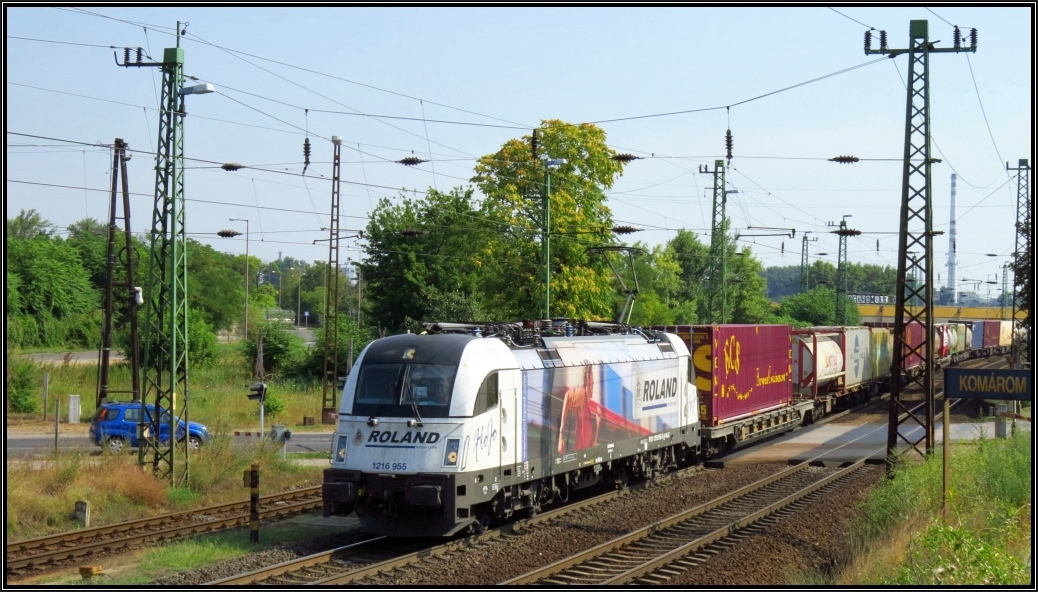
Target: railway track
(56, 550)
(655, 553)
(374, 556)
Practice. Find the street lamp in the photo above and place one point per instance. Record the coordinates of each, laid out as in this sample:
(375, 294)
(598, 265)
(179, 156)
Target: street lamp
(299, 304)
(549, 164)
(246, 333)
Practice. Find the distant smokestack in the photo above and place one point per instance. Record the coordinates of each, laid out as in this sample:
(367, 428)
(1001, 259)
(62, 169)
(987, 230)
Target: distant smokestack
(951, 246)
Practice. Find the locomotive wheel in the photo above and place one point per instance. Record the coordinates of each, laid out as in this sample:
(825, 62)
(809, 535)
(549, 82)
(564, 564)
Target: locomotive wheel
(482, 522)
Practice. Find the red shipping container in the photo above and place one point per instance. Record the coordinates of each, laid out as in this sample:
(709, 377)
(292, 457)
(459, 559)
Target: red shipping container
(913, 337)
(991, 331)
(741, 370)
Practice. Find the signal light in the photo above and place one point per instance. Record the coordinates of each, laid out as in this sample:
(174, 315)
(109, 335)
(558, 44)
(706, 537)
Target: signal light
(232, 166)
(844, 159)
(258, 392)
(228, 233)
(411, 161)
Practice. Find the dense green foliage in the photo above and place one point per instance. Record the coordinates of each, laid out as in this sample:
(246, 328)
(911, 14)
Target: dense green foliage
(986, 536)
(862, 278)
(817, 307)
(21, 382)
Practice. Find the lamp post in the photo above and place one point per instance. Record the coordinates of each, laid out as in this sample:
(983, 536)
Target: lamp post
(546, 240)
(245, 335)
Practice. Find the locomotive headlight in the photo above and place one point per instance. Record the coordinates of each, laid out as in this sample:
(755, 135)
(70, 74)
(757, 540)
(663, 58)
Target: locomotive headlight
(340, 449)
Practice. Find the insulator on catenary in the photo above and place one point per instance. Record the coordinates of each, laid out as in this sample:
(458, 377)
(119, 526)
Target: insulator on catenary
(624, 229)
(126, 55)
(411, 161)
(306, 154)
(783, 248)
(140, 55)
(728, 143)
(973, 39)
(868, 41)
(844, 159)
(882, 40)
(232, 166)
(625, 158)
(957, 37)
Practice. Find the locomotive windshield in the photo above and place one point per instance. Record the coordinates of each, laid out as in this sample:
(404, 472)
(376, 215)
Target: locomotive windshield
(391, 390)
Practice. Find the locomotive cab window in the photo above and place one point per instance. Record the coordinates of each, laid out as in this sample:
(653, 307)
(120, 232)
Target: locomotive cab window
(396, 390)
(486, 397)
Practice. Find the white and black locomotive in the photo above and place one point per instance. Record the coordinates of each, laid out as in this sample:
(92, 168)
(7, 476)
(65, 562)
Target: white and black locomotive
(443, 432)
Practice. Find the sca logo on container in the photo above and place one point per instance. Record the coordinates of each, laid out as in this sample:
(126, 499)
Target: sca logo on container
(732, 352)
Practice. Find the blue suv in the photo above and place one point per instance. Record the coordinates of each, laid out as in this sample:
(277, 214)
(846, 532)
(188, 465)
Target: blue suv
(114, 427)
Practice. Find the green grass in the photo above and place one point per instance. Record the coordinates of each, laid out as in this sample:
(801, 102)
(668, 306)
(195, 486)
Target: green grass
(986, 538)
(308, 454)
(196, 552)
(218, 394)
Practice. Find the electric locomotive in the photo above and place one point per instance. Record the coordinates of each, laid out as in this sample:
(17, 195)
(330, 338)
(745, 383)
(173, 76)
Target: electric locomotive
(448, 430)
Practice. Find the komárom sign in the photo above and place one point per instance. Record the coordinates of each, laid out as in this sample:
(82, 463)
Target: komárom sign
(998, 385)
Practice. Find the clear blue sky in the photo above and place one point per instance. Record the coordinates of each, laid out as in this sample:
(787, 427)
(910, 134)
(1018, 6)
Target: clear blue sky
(522, 65)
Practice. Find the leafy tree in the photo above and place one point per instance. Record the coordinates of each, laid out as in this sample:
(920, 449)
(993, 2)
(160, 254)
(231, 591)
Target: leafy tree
(54, 291)
(90, 239)
(509, 256)
(314, 362)
(817, 307)
(28, 224)
(693, 258)
(747, 288)
(281, 350)
(418, 252)
(214, 285)
(22, 378)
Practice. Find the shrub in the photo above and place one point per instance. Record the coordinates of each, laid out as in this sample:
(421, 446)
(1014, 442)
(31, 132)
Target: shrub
(281, 350)
(273, 404)
(22, 377)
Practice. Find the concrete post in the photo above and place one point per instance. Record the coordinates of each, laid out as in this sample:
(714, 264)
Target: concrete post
(82, 514)
(1000, 421)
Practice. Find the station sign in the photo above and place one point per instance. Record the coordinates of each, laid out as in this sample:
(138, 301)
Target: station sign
(998, 385)
(869, 298)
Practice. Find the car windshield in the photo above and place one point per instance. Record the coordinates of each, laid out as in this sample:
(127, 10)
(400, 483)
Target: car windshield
(390, 390)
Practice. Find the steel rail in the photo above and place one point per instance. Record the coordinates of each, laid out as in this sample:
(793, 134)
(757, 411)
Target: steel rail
(135, 532)
(729, 529)
(361, 572)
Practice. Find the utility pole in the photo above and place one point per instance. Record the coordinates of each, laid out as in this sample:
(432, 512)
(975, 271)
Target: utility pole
(1004, 299)
(841, 270)
(165, 349)
(916, 233)
(805, 266)
(1022, 348)
(951, 246)
(127, 289)
(716, 296)
(329, 412)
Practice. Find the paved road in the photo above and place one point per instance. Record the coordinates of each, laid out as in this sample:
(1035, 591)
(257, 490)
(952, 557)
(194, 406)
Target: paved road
(22, 445)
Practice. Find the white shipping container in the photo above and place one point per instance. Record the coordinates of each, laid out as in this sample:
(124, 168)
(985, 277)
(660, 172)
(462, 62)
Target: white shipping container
(1005, 333)
(856, 356)
(829, 362)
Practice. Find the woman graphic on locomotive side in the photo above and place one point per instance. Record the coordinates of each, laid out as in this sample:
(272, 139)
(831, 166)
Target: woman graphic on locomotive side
(578, 426)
